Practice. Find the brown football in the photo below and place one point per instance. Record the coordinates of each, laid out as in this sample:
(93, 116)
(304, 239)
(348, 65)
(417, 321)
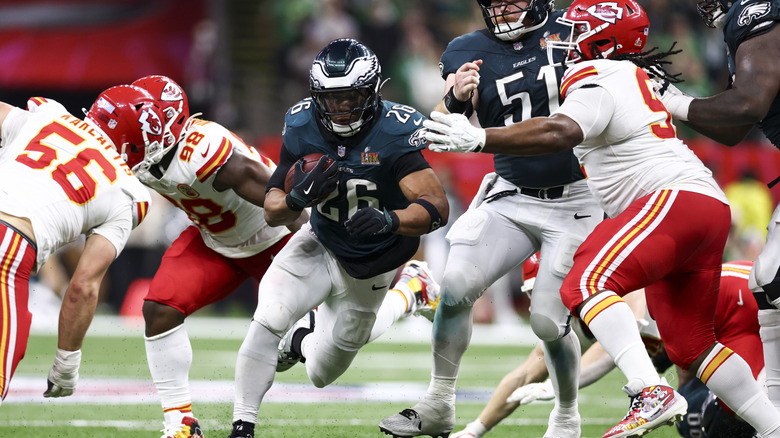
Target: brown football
(309, 162)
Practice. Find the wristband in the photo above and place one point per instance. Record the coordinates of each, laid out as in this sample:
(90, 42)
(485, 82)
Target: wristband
(291, 204)
(395, 222)
(454, 105)
(436, 219)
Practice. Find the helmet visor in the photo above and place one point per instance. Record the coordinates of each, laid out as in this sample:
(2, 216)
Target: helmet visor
(343, 106)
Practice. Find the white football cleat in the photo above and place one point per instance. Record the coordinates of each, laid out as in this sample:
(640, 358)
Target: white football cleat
(287, 353)
(435, 419)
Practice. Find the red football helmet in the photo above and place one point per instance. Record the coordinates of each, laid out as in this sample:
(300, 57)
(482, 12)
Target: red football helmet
(603, 29)
(128, 116)
(172, 100)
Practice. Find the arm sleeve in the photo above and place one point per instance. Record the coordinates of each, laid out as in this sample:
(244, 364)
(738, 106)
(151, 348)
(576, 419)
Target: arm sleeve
(409, 163)
(591, 107)
(286, 161)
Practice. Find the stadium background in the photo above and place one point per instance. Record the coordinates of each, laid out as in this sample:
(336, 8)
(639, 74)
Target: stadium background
(243, 63)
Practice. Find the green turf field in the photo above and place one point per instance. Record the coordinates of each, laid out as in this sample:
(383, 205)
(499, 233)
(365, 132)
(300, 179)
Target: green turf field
(381, 365)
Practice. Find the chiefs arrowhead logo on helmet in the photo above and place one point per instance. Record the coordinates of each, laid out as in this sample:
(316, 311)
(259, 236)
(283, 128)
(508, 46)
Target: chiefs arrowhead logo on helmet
(171, 93)
(150, 122)
(606, 11)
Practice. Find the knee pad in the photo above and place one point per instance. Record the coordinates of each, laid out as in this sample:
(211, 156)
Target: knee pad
(275, 317)
(352, 329)
(546, 329)
(463, 283)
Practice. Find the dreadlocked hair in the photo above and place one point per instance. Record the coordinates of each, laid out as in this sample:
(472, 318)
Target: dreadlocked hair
(653, 63)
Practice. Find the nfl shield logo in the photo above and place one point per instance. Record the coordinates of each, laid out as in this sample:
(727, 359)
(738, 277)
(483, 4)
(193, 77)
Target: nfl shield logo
(342, 151)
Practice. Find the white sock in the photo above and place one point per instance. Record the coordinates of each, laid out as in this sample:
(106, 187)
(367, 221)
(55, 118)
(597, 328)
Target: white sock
(255, 370)
(770, 337)
(729, 377)
(397, 304)
(169, 356)
(613, 324)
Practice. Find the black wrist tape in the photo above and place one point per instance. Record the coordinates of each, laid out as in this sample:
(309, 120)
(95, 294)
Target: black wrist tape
(436, 219)
(453, 105)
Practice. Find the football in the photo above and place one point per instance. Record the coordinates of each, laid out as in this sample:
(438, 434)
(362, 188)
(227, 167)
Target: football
(308, 163)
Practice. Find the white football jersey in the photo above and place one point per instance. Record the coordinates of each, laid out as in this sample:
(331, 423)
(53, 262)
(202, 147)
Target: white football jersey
(67, 180)
(630, 147)
(229, 224)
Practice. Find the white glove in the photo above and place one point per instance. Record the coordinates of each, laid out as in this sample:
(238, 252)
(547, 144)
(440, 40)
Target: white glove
(532, 392)
(675, 100)
(475, 429)
(453, 133)
(63, 374)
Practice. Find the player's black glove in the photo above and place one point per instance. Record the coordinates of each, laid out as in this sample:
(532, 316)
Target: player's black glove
(371, 221)
(310, 188)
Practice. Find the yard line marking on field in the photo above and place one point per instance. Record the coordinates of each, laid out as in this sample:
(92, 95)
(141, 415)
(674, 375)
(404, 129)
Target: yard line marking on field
(216, 424)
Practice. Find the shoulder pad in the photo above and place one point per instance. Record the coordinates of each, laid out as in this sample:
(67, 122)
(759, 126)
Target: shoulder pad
(577, 76)
(44, 105)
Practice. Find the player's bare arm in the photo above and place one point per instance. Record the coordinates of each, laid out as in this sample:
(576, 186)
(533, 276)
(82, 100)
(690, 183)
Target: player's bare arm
(277, 212)
(249, 180)
(728, 116)
(540, 135)
(415, 220)
(81, 297)
(464, 83)
(245, 176)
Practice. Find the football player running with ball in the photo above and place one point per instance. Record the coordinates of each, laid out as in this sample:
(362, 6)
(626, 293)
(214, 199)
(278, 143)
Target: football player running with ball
(668, 218)
(61, 178)
(369, 209)
(528, 204)
(752, 34)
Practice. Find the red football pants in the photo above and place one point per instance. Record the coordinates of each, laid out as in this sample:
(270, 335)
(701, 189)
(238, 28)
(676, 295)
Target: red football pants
(671, 243)
(17, 259)
(192, 275)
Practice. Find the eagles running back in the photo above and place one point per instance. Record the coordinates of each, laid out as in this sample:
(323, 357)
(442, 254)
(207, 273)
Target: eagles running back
(371, 164)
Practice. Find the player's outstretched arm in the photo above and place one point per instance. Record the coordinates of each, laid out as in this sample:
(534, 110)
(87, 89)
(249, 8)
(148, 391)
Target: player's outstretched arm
(246, 177)
(249, 179)
(78, 308)
(728, 116)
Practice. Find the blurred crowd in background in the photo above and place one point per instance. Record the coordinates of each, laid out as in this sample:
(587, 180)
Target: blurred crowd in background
(244, 62)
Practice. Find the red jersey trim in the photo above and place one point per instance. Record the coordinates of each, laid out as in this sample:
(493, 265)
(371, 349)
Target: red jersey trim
(576, 76)
(624, 241)
(216, 161)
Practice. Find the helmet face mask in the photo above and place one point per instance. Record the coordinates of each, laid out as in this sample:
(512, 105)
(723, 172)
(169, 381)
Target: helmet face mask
(602, 30)
(713, 12)
(510, 20)
(172, 101)
(128, 117)
(344, 83)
